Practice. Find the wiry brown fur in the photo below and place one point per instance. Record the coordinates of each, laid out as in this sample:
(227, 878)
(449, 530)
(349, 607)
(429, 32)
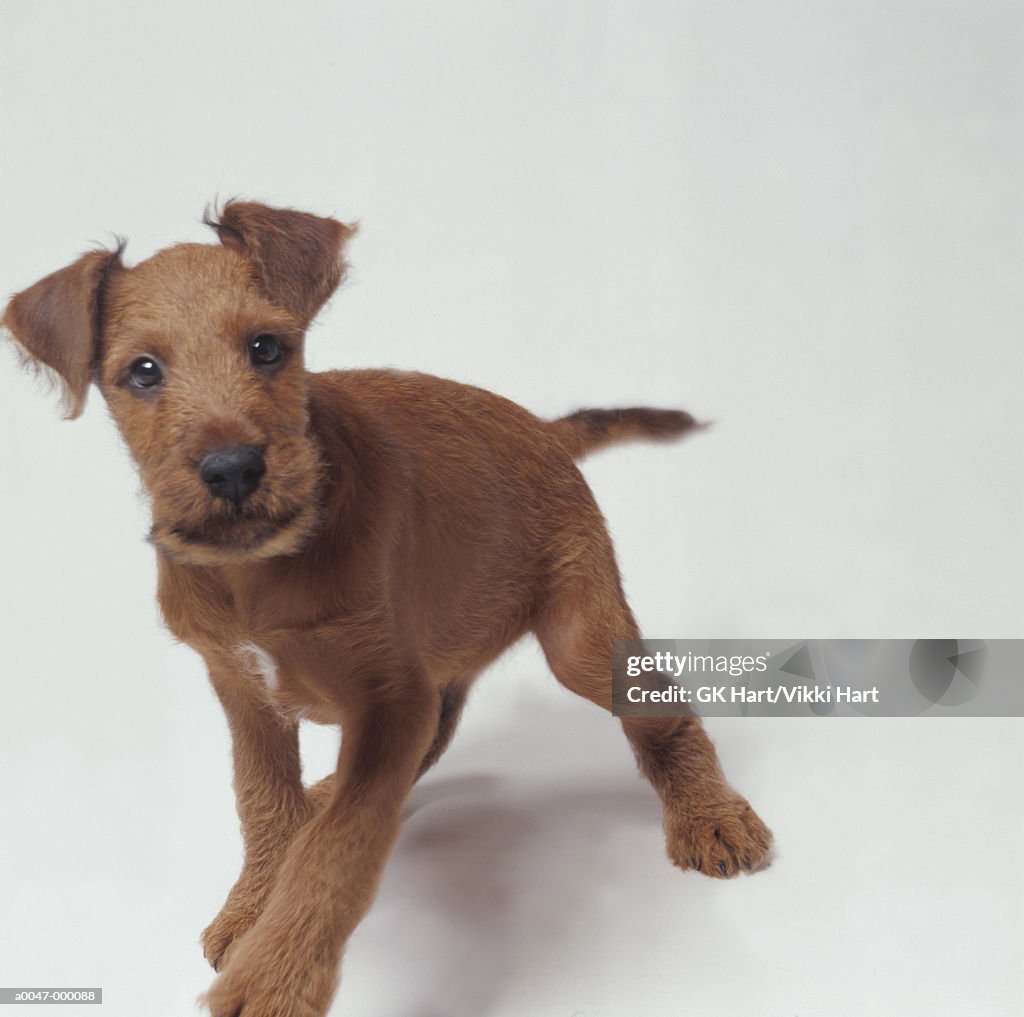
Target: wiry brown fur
(406, 531)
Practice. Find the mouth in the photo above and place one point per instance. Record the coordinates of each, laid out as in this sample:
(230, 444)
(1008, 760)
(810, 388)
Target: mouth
(242, 534)
(236, 539)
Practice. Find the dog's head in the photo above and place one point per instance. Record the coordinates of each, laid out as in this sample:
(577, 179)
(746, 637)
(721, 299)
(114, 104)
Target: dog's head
(198, 352)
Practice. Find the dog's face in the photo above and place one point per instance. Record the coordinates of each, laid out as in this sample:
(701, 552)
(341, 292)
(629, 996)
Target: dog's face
(204, 376)
(199, 354)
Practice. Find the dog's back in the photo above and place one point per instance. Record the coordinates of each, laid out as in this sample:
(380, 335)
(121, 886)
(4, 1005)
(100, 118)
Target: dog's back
(482, 503)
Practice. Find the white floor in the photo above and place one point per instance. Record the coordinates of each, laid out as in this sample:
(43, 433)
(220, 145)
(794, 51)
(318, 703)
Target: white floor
(531, 879)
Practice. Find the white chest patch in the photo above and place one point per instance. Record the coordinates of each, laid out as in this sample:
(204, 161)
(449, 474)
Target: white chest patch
(259, 664)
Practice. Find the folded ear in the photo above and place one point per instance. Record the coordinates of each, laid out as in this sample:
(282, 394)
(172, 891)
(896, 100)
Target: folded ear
(298, 257)
(57, 323)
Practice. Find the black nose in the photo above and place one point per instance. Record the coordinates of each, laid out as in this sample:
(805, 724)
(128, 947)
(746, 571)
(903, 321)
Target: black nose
(233, 473)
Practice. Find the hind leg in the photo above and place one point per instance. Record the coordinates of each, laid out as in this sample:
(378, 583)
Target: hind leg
(453, 698)
(708, 826)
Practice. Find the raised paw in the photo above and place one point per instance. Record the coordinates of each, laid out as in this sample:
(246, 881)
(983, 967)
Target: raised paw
(718, 836)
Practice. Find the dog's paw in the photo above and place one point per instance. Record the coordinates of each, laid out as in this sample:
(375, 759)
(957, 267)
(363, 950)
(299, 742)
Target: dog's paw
(719, 835)
(272, 987)
(232, 995)
(233, 922)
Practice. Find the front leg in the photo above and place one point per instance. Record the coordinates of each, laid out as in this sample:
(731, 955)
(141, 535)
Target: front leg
(270, 800)
(287, 965)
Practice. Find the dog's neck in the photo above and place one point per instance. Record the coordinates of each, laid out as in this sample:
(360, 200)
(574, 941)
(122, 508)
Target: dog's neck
(285, 588)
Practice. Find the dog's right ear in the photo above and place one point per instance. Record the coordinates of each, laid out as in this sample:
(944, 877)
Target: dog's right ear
(57, 324)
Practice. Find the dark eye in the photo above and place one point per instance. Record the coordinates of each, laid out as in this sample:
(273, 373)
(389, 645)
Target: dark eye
(145, 373)
(265, 350)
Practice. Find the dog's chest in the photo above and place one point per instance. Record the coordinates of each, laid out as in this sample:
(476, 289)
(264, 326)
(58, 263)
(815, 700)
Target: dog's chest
(258, 664)
(303, 656)
(313, 674)
(289, 691)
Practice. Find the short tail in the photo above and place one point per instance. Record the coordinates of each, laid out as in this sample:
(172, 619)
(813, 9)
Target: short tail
(586, 431)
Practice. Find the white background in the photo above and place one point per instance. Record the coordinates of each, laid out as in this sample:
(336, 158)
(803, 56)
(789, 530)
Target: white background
(800, 220)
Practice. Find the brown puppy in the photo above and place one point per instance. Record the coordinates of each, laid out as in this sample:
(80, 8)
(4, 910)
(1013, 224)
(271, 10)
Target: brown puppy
(353, 548)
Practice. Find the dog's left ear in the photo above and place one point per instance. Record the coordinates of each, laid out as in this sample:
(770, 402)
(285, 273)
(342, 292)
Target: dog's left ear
(298, 257)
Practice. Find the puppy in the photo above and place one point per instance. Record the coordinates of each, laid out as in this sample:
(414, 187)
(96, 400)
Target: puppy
(353, 548)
